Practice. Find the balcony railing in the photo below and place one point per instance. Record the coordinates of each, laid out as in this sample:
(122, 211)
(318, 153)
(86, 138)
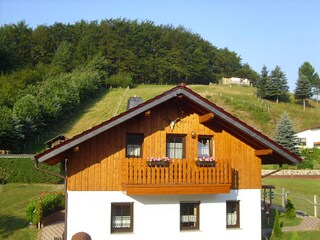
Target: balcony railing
(137, 173)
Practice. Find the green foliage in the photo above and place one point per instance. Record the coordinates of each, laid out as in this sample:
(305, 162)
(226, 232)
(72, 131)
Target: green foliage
(285, 134)
(295, 236)
(32, 212)
(50, 70)
(62, 59)
(120, 80)
(303, 88)
(308, 80)
(307, 71)
(4, 175)
(277, 225)
(290, 210)
(261, 84)
(311, 158)
(22, 171)
(276, 87)
(50, 203)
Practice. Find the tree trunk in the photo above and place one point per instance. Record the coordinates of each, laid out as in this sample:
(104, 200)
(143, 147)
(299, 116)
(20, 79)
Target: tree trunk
(304, 104)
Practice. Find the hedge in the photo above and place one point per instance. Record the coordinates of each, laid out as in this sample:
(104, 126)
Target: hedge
(49, 204)
(21, 170)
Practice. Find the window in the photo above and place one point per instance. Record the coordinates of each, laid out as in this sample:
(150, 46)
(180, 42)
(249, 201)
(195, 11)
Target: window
(175, 146)
(302, 141)
(134, 145)
(205, 147)
(121, 217)
(189, 216)
(233, 214)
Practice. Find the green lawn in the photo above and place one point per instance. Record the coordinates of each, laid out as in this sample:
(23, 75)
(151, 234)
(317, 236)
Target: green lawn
(299, 190)
(13, 202)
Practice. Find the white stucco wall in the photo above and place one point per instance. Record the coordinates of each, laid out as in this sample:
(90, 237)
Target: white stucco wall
(157, 217)
(311, 135)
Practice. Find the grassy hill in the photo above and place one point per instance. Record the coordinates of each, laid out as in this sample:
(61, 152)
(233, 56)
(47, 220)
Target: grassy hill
(240, 101)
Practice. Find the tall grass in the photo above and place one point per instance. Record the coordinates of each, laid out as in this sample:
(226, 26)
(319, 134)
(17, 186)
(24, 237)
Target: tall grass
(240, 101)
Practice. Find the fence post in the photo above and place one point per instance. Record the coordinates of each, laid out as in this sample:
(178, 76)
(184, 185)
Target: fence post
(283, 198)
(315, 205)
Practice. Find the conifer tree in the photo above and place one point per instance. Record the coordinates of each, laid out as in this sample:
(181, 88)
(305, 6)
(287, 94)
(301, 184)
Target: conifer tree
(303, 89)
(285, 134)
(261, 86)
(277, 85)
(277, 225)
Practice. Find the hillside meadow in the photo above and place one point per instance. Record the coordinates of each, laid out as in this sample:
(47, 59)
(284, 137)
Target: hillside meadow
(240, 101)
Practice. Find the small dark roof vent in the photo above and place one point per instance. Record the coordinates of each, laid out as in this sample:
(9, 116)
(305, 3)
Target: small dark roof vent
(55, 141)
(133, 102)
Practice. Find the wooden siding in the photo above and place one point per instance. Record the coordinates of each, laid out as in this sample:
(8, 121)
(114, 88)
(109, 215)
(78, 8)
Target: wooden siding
(97, 163)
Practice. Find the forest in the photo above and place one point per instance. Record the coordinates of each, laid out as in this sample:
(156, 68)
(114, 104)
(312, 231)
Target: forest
(46, 72)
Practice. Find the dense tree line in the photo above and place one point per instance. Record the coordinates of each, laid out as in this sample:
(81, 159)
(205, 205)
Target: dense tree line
(273, 86)
(151, 53)
(48, 71)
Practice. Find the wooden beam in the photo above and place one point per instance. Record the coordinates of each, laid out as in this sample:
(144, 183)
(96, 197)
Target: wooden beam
(206, 117)
(164, 189)
(263, 152)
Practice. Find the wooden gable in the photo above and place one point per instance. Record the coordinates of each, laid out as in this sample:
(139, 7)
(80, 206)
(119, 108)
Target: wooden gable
(96, 159)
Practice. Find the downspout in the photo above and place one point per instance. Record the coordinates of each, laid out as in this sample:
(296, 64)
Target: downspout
(64, 178)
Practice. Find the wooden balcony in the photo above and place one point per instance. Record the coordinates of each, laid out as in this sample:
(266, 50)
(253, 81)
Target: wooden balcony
(180, 176)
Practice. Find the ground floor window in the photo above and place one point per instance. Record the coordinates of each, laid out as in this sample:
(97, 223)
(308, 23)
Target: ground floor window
(121, 217)
(189, 215)
(233, 214)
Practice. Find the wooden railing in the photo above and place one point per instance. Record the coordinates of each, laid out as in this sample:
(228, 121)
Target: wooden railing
(179, 171)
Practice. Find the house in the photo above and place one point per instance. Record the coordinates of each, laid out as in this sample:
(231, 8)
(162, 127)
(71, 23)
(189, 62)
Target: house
(174, 167)
(309, 138)
(236, 80)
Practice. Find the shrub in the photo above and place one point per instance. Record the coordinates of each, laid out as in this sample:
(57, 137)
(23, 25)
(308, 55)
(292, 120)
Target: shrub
(32, 212)
(295, 236)
(277, 225)
(50, 203)
(290, 210)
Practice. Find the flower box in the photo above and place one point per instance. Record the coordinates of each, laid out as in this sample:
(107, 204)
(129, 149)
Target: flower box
(161, 162)
(205, 163)
(158, 163)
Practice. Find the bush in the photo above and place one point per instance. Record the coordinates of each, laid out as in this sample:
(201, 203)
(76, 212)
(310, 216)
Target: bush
(295, 236)
(50, 203)
(277, 225)
(121, 79)
(21, 170)
(290, 210)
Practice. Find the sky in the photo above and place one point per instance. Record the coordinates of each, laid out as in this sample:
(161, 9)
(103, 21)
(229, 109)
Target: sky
(261, 32)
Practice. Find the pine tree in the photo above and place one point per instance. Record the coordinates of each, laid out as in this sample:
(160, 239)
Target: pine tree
(277, 86)
(261, 86)
(285, 134)
(303, 89)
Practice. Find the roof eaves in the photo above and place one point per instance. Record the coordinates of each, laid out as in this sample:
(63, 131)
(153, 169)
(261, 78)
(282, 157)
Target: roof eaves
(76, 140)
(242, 126)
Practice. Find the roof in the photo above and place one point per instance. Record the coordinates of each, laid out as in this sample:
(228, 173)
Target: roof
(279, 154)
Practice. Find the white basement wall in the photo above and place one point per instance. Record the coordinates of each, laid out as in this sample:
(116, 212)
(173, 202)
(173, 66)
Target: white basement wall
(157, 217)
